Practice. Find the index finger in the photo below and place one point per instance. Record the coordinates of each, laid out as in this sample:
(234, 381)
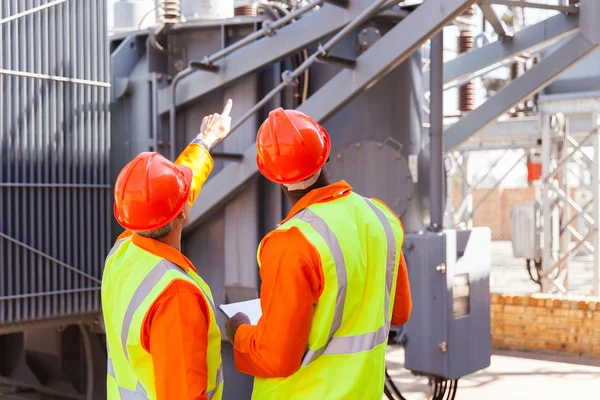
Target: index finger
(227, 108)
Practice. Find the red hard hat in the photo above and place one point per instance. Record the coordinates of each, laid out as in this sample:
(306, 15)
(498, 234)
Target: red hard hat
(150, 192)
(291, 147)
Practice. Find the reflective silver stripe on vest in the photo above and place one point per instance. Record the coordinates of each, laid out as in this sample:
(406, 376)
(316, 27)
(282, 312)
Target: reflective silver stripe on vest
(140, 294)
(391, 256)
(367, 341)
(211, 394)
(320, 226)
(114, 248)
(110, 370)
(139, 393)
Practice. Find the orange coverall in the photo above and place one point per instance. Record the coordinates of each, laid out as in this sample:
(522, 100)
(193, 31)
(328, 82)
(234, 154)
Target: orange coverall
(175, 330)
(292, 282)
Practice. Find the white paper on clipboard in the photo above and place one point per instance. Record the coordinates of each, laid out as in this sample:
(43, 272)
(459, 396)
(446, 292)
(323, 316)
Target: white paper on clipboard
(251, 308)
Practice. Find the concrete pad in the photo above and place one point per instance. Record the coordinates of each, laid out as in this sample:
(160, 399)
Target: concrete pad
(511, 376)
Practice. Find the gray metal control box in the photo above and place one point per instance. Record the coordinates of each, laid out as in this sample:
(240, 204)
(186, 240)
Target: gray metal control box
(448, 333)
(525, 240)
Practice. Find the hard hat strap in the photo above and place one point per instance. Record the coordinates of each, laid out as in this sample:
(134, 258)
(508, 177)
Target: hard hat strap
(303, 184)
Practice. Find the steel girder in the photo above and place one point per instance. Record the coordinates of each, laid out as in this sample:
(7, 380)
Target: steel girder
(254, 56)
(520, 133)
(544, 32)
(491, 16)
(544, 73)
(377, 61)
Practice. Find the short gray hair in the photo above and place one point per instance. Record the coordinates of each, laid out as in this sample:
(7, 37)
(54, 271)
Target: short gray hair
(159, 233)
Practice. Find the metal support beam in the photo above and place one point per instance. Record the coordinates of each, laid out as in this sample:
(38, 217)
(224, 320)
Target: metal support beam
(254, 56)
(50, 258)
(464, 204)
(269, 28)
(497, 184)
(530, 4)
(490, 15)
(538, 35)
(31, 11)
(532, 81)
(524, 133)
(378, 60)
(595, 188)
(436, 133)
(546, 242)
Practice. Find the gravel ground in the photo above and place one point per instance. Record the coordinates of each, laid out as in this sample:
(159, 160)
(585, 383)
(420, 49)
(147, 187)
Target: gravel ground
(509, 274)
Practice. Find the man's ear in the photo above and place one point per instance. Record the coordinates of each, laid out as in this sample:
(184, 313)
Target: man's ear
(185, 213)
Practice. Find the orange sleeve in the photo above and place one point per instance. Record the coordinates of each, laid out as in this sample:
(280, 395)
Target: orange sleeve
(199, 160)
(175, 333)
(292, 282)
(403, 301)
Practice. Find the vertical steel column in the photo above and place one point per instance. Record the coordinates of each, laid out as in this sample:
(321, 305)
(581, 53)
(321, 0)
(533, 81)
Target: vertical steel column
(436, 132)
(595, 188)
(466, 195)
(547, 260)
(565, 238)
(449, 210)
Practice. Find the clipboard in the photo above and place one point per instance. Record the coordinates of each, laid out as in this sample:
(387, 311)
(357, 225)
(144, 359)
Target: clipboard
(251, 308)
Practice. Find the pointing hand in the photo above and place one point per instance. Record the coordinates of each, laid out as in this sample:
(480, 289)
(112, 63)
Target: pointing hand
(216, 127)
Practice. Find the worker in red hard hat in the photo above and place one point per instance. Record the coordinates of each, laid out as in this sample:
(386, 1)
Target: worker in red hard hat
(333, 278)
(162, 337)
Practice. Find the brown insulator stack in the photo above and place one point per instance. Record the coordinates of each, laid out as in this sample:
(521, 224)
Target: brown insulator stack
(246, 10)
(516, 70)
(535, 99)
(466, 37)
(171, 11)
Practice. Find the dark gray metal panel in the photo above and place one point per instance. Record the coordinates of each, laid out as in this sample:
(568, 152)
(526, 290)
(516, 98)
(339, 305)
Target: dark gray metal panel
(574, 50)
(54, 145)
(375, 63)
(435, 262)
(367, 165)
(268, 50)
(469, 337)
(427, 325)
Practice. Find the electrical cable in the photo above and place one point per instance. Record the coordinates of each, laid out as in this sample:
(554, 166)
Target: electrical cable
(535, 279)
(392, 387)
(387, 393)
(305, 79)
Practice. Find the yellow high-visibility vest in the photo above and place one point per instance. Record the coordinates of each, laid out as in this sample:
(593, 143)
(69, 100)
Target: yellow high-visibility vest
(359, 242)
(133, 279)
